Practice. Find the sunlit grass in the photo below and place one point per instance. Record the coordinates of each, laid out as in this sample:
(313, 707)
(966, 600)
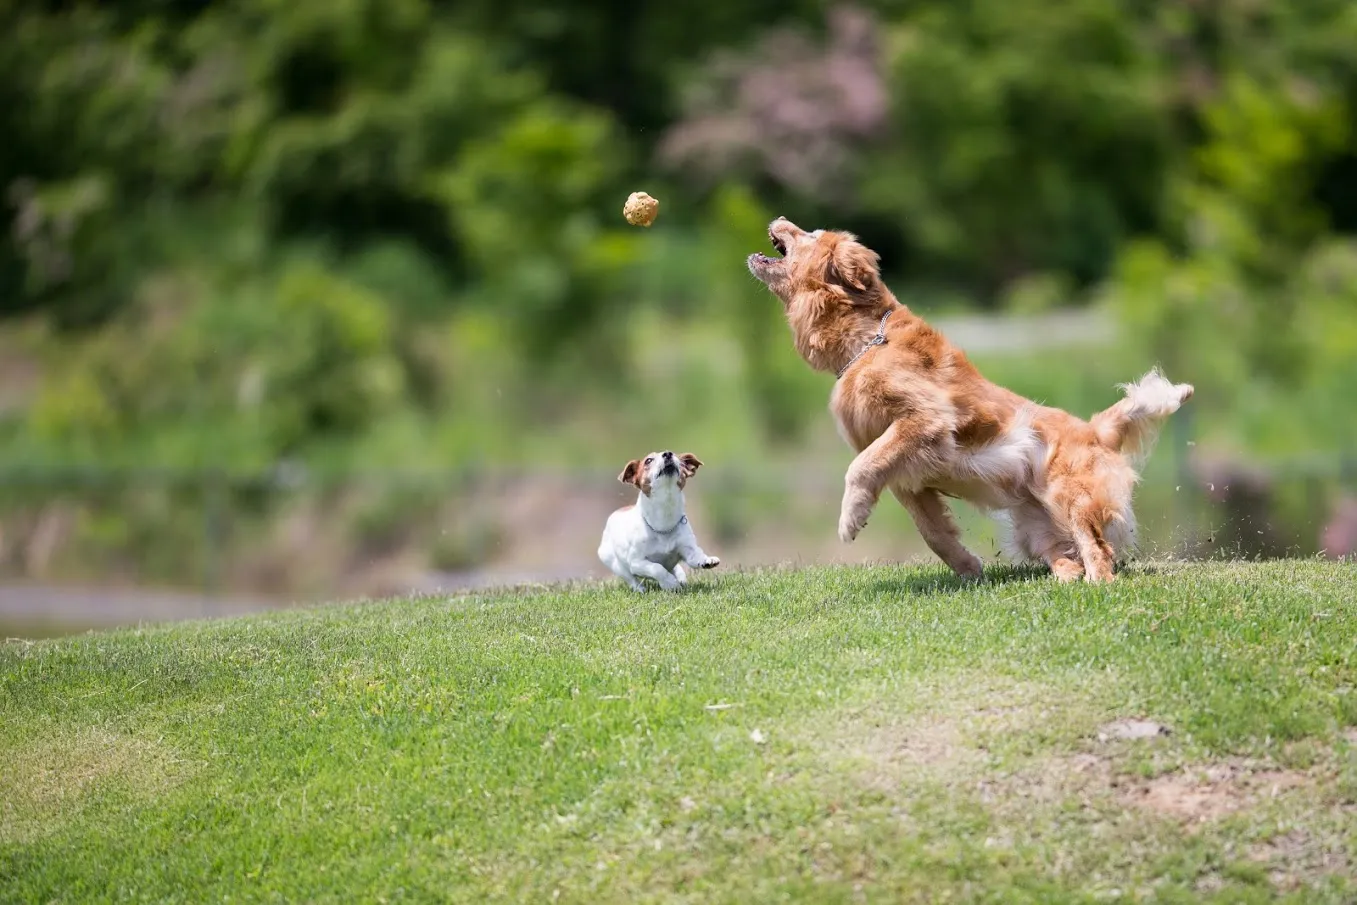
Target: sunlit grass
(831, 734)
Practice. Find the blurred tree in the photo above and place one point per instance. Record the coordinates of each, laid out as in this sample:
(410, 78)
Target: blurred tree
(460, 166)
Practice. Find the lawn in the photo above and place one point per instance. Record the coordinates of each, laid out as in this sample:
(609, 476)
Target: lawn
(826, 735)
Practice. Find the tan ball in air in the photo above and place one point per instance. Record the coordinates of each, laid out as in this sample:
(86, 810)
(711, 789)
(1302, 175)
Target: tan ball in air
(640, 209)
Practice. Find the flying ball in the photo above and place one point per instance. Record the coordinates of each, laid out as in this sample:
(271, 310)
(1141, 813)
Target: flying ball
(640, 209)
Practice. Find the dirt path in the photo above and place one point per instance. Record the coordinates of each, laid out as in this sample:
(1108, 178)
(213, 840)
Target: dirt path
(35, 610)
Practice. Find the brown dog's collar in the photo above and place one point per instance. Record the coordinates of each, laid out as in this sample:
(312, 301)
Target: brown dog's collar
(877, 340)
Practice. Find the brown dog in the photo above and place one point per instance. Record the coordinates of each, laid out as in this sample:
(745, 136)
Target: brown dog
(927, 425)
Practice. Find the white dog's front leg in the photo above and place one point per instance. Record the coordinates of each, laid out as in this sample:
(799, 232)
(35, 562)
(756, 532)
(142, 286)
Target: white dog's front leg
(695, 557)
(656, 571)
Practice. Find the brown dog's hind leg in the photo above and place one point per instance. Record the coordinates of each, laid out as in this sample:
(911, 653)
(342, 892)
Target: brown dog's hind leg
(1037, 534)
(1063, 567)
(1094, 550)
(1078, 510)
(939, 530)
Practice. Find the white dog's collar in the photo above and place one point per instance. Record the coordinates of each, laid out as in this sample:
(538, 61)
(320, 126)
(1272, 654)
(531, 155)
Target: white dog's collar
(683, 520)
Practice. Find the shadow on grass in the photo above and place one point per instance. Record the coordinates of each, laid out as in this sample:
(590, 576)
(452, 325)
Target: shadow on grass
(693, 587)
(1182, 564)
(654, 591)
(947, 582)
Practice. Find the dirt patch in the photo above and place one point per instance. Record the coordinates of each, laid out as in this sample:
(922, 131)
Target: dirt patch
(982, 735)
(1132, 729)
(44, 781)
(1085, 778)
(1200, 795)
(889, 755)
(948, 734)
(1192, 796)
(1297, 858)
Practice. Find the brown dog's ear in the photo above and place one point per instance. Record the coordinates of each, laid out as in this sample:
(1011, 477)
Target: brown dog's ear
(689, 463)
(852, 266)
(632, 473)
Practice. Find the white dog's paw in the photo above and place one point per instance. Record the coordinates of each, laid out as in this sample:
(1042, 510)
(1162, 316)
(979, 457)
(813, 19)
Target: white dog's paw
(711, 562)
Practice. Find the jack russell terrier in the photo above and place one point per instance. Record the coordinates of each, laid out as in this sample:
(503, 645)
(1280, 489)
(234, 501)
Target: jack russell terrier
(653, 539)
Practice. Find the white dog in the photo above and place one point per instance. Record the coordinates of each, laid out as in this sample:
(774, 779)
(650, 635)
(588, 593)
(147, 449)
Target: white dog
(653, 539)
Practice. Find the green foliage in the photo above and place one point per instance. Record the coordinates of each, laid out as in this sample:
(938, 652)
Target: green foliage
(358, 232)
(340, 372)
(450, 160)
(1031, 136)
(1252, 281)
(526, 206)
(778, 380)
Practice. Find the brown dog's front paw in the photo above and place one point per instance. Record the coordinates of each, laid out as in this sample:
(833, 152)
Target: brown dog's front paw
(849, 529)
(970, 568)
(854, 512)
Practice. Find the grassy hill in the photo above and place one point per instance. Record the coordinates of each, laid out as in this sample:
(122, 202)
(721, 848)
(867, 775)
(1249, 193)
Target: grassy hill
(828, 735)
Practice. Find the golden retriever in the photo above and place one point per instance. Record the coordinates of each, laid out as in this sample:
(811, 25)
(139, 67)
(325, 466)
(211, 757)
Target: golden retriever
(926, 424)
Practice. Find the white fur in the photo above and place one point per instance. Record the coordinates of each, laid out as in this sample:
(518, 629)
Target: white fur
(1120, 533)
(987, 476)
(1130, 427)
(1025, 532)
(1012, 456)
(650, 539)
(1148, 403)
(1153, 396)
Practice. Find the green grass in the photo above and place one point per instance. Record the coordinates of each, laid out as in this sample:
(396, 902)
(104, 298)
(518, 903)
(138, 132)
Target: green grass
(828, 735)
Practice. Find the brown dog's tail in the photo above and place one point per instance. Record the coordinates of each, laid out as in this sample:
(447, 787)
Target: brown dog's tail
(1132, 425)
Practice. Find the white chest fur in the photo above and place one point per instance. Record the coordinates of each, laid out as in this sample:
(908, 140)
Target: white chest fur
(652, 539)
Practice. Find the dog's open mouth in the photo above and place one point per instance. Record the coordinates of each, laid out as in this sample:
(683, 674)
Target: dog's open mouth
(669, 468)
(778, 245)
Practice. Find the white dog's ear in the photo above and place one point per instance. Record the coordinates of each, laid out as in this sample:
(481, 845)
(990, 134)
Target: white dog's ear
(690, 464)
(632, 473)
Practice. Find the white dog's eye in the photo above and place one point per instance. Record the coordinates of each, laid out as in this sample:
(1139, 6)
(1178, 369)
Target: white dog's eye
(649, 459)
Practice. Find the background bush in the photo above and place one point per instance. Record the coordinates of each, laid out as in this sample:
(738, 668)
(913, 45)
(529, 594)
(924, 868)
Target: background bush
(387, 234)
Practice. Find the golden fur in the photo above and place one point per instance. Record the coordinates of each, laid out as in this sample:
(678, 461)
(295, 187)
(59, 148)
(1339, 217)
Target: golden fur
(927, 425)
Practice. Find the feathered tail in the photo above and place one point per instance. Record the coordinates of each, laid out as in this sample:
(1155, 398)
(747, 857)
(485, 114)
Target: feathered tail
(1132, 425)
